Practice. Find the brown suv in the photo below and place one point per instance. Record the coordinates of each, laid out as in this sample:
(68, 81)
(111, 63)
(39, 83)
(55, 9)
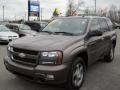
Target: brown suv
(62, 52)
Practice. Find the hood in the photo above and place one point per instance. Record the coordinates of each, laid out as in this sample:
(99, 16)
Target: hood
(45, 42)
(29, 32)
(6, 34)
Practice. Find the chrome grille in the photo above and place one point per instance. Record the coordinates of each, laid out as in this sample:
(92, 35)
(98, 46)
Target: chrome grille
(25, 51)
(24, 56)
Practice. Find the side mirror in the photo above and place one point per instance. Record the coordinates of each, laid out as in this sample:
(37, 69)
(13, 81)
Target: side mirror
(95, 33)
(115, 27)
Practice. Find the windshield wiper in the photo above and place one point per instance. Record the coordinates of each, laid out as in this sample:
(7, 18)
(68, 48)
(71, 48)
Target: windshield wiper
(67, 33)
(47, 32)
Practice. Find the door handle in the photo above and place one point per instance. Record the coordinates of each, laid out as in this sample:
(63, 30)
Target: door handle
(92, 43)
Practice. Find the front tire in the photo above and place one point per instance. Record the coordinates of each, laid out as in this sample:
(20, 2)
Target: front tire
(110, 56)
(77, 74)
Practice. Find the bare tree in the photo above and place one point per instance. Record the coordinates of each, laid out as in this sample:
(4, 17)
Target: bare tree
(102, 12)
(87, 11)
(74, 7)
(119, 15)
(112, 14)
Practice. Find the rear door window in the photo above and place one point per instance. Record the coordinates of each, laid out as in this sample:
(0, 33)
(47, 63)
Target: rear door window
(103, 25)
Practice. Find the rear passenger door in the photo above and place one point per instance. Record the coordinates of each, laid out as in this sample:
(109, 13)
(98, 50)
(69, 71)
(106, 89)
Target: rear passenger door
(95, 44)
(106, 34)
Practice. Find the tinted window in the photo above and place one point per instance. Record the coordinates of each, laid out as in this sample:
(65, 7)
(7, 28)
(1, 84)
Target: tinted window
(9, 26)
(24, 27)
(33, 25)
(103, 25)
(95, 25)
(12, 27)
(74, 26)
(15, 27)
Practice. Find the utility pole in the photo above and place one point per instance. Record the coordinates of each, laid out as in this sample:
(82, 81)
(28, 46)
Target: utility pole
(28, 10)
(25, 16)
(41, 13)
(95, 6)
(70, 7)
(3, 8)
(3, 13)
(15, 17)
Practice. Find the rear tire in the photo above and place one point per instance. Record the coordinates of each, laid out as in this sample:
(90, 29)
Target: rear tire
(77, 74)
(110, 56)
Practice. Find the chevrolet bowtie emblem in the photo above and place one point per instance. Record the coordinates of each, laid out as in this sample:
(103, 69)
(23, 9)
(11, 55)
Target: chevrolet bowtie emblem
(22, 55)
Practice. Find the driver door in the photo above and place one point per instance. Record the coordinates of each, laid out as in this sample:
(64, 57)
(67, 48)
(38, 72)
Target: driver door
(95, 44)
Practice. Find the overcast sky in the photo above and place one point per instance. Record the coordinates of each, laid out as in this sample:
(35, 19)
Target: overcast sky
(18, 8)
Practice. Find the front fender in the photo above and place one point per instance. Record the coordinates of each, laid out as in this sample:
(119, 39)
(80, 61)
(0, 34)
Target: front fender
(77, 51)
(69, 55)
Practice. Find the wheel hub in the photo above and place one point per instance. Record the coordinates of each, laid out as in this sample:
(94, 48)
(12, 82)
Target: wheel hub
(111, 54)
(78, 75)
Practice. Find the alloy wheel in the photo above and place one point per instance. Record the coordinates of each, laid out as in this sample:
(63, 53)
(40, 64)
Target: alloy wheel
(78, 74)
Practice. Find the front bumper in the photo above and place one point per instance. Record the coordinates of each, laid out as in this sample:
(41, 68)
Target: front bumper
(7, 39)
(45, 74)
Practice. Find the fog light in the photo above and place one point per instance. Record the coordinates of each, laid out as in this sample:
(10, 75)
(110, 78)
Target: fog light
(50, 77)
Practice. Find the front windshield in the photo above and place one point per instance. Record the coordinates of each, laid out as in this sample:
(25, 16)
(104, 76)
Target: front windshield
(43, 24)
(24, 27)
(4, 29)
(73, 26)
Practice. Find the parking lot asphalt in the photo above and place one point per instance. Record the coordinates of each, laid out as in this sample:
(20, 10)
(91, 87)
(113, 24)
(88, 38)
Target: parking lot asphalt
(100, 76)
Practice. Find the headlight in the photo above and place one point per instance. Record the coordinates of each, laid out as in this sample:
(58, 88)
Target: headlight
(9, 48)
(49, 54)
(51, 58)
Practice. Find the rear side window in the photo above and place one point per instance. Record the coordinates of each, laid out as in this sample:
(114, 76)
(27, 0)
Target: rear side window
(9, 26)
(103, 25)
(15, 28)
(95, 25)
(12, 27)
